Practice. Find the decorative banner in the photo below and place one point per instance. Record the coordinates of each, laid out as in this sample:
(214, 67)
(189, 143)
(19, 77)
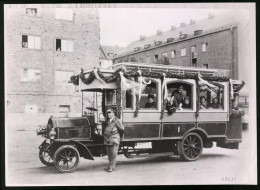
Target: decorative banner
(240, 84)
(96, 75)
(129, 84)
(209, 85)
(142, 81)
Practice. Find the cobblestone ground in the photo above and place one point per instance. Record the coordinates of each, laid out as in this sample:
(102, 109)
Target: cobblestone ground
(216, 166)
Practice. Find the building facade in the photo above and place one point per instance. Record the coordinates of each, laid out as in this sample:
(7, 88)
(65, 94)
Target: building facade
(107, 54)
(214, 42)
(44, 46)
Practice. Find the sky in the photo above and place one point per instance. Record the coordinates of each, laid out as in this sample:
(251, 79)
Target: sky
(120, 26)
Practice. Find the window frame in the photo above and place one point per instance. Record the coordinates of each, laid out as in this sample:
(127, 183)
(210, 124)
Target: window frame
(73, 18)
(175, 52)
(60, 83)
(206, 48)
(190, 82)
(38, 15)
(226, 102)
(185, 52)
(34, 81)
(65, 39)
(34, 42)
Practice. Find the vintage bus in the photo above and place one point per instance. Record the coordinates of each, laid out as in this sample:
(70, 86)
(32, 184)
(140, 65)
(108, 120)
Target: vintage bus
(211, 114)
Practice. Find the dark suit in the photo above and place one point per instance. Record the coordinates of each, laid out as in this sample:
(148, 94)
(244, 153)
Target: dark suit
(178, 97)
(112, 139)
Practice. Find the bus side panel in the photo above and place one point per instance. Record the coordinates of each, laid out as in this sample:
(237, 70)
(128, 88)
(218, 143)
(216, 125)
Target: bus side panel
(214, 129)
(176, 129)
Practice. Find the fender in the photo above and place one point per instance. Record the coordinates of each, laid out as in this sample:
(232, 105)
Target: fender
(195, 130)
(83, 150)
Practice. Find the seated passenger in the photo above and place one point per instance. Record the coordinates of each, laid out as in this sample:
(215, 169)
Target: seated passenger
(186, 102)
(203, 102)
(178, 95)
(171, 105)
(151, 103)
(215, 104)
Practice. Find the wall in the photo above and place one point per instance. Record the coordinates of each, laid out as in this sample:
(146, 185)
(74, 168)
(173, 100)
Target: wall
(219, 51)
(84, 30)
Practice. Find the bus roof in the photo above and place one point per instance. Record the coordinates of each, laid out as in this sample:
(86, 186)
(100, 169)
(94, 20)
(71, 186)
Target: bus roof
(170, 68)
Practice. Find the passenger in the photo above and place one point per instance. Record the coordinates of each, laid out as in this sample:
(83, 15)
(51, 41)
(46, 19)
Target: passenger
(151, 103)
(186, 102)
(171, 105)
(215, 104)
(203, 102)
(178, 95)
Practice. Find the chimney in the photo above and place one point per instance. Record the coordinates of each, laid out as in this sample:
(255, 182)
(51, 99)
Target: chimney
(183, 24)
(173, 27)
(142, 37)
(210, 15)
(192, 21)
(159, 32)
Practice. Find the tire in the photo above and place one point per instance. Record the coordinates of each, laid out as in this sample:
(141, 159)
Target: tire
(66, 159)
(45, 157)
(190, 147)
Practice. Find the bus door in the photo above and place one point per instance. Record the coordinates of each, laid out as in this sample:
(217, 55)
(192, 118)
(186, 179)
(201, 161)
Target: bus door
(213, 109)
(176, 123)
(147, 124)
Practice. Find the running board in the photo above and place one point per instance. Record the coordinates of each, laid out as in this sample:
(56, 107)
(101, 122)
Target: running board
(152, 155)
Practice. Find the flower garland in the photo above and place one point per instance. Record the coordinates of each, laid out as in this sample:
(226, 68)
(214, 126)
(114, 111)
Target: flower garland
(237, 113)
(145, 73)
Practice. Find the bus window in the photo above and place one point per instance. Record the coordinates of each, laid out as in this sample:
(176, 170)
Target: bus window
(180, 94)
(110, 97)
(149, 98)
(211, 99)
(128, 99)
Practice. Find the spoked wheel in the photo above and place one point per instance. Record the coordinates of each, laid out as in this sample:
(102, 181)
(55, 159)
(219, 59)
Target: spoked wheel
(66, 158)
(190, 147)
(45, 157)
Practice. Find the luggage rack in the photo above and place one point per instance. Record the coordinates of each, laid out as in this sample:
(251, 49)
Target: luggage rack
(170, 68)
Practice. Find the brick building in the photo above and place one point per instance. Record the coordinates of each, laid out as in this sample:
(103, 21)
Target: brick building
(218, 42)
(44, 46)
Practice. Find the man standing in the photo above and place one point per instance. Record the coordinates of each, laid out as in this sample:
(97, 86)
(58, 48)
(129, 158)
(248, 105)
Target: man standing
(112, 135)
(178, 96)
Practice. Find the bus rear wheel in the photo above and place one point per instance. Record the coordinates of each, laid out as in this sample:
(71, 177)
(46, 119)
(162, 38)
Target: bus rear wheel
(190, 147)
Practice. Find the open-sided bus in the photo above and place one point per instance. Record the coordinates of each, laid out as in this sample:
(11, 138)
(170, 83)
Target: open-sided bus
(126, 87)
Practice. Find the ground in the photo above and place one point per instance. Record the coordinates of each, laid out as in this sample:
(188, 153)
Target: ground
(215, 166)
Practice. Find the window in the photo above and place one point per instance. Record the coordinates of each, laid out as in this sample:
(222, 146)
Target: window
(30, 75)
(64, 45)
(193, 56)
(31, 42)
(36, 12)
(156, 57)
(180, 95)
(164, 55)
(64, 108)
(204, 47)
(149, 98)
(211, 98)
(64, 14)
(110, 97)
(173, 54)
(206, 66)
(147, 59)
(183, 52)
(63, 77)
(128, 100)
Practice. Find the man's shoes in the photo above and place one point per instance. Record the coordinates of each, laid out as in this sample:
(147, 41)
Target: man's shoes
(110, 170)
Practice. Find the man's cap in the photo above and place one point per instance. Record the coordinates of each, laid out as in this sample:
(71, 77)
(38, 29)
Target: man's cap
(150, 96)
(111, 110)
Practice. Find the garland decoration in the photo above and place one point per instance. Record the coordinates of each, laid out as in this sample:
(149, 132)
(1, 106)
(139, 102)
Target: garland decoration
(237, 112)
(135, 73)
